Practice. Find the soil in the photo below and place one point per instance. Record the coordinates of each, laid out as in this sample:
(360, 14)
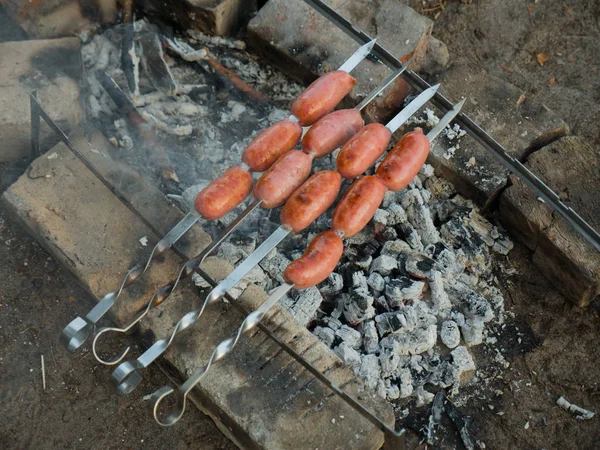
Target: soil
(551, 346)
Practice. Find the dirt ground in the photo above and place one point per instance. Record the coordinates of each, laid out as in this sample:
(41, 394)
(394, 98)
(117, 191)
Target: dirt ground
(552, 348)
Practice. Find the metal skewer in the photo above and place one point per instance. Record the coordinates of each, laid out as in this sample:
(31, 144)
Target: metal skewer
(252, 320)
(79, 329)
(126, 376)
(191, 265)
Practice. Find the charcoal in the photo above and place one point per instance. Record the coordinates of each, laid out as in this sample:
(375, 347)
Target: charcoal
(388, 234)
(381, 217)
(389, 362)
(420, 266)
(482, 227)
(472, 331)
(444, 209)
(410, 235)
(415, 183)
(427, 170)
(384, 265)
(449, 264)
(455, 233)
(395, 248)
(450, 334)
(325, 334)
(426, 197)
(401, 289)
(382, 304)
(469, 302)
(440, 188)
(392, 392)
(359, 284)
(304, 307)
(396, 215)
(410, 342)
(405, 383)
(358, 308)
(389, 199)
(439, 298)
(462, 361)
(376, 282)
(256, 275)
(419, 217)
(332, 322)
(350, 336)
(370, 371)
(371, 338)
(364, 263)
(332, 285)
(361, 238)
(275, 266)
(469, 279)
(348, 355)
(387, 323)
(369, 249)
(503, 246)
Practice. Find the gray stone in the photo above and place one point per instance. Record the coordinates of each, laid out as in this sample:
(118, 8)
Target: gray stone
(565, 258)
(384, 265)
(450, 334)
(493, 104)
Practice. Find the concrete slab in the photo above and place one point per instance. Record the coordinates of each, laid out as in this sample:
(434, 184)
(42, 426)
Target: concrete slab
(54, 69)
(570, 167)
(259, 396)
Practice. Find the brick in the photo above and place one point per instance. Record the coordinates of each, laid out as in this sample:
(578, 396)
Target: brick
(220, 17)
(493, 104)
(570, 167)
(305, 45)
(53, 67)
(258, 396)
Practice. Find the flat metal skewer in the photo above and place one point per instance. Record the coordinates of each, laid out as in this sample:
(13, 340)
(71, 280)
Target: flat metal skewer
(191, 265)
(488, 142)
(126, 375)
(79, 329)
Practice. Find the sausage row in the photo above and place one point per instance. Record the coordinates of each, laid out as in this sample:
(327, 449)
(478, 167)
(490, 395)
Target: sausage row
(356, 209)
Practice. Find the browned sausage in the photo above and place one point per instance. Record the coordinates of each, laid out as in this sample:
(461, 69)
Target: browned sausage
(270, 144)
(224, 193)
(358, 205)
(311, 200)
(317, 262)
(322, 96)
(331, 132)
(283, 178)
(362, 150)
(403, 162)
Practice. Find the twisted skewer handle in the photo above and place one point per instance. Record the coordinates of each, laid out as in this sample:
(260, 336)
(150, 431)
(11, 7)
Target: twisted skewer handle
(79, 329)
(222, 350)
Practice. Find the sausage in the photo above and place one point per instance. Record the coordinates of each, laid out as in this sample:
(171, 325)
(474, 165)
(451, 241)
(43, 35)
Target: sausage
(358, 205)
(403, 162)
(283, 178)
(224, 193)
(270, 144)
(317, 262)
(331, 132)
(311, 200)
(322, 96)
(362, 150)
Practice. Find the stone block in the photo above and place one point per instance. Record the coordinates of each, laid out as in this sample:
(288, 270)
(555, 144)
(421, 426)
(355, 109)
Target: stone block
(259, 396)
(54, 69)
(519, 124)
(220, 17)
(304, 44)
(570, 167)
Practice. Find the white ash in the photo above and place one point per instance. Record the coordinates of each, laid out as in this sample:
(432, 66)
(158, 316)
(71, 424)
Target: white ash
(579, 412)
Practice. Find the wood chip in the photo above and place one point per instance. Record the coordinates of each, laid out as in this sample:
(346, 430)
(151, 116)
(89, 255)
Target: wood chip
(552, 81)
(521, 99)
(568, 9)
(542, 58)
(506, 68)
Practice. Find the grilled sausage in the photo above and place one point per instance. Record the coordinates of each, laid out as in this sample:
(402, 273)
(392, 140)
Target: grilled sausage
(270, 144)
(322, 96)
(331, 132)
(224, 193)
(283, 178)
(403, 162)
(358, 205)
(317, 262)
(362, 150)
(311, 200)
